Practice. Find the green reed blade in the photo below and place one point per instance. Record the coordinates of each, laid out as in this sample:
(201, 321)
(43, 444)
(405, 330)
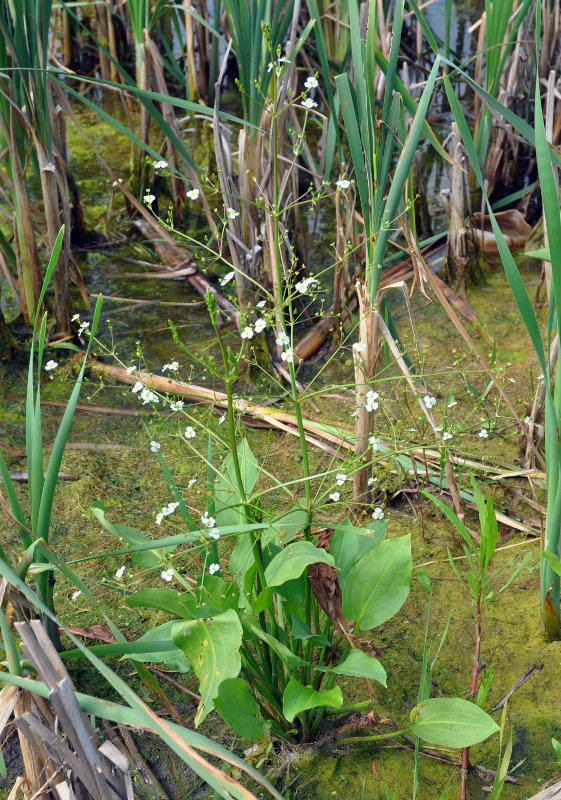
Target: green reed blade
(63, 432)
(400, 178)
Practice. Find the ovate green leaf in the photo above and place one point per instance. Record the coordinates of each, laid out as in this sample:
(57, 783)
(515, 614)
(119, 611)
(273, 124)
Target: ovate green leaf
(378, 585)
(213, 649)
(291, 562)
(298, 698)
(237, 707)
(451, 722)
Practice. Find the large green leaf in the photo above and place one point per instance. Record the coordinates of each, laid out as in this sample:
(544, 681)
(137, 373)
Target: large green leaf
(360, 665)
(174, 658)
(228, 499)
(285, 526)
(213, 648)
(298, 698)
(237, 707)
(291, 562)
(132, 537)
(451, 722)
(349, 544)
(167, 600)
(378, 585)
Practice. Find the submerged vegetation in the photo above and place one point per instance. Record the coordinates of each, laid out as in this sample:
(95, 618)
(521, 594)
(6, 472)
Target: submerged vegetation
(319, 551)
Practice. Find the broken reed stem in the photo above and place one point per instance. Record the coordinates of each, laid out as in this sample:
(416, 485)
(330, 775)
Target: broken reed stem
(364, 356)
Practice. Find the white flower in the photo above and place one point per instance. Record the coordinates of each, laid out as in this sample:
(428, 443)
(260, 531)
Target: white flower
(282, 339)
(227, 278)
(190, 432)
(343, 183)
(76, 594)
(75, 318)
(120, 572)
(340, 478)
(213, 568)
(303, 286)
(222, 419)
(311, 82)
(372, 481)
(260, 325)
(192, 482)
(193, 194)
(446, 435)
(429, 401)
(280, 61)
(160, 165)
(177, 405)
(247, 332)
(147, 396)
(375, 442)
(149, 199)
(308, 103)
(358, 347)
(335, 496)
(170, 508)
(452, 403)
(288, 355)
(130, 370)
(260, 304)
(159, 518)
(232, 213)
(377, 513)
(138, 387)
(50, 365)
(154, 446)
(483, 433)
(214, 533)
(173, 366)
(208, 522)
(167, 574)
(527, 420)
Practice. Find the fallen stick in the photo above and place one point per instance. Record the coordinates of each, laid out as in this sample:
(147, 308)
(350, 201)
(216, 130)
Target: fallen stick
(21, 476)
(199, 394)
(126, 412)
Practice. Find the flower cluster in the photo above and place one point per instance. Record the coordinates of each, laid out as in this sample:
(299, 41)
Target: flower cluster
(83, 325)
(278, 65)
(165, 512)
(146, 394)
(258, 326)
(371, 401)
